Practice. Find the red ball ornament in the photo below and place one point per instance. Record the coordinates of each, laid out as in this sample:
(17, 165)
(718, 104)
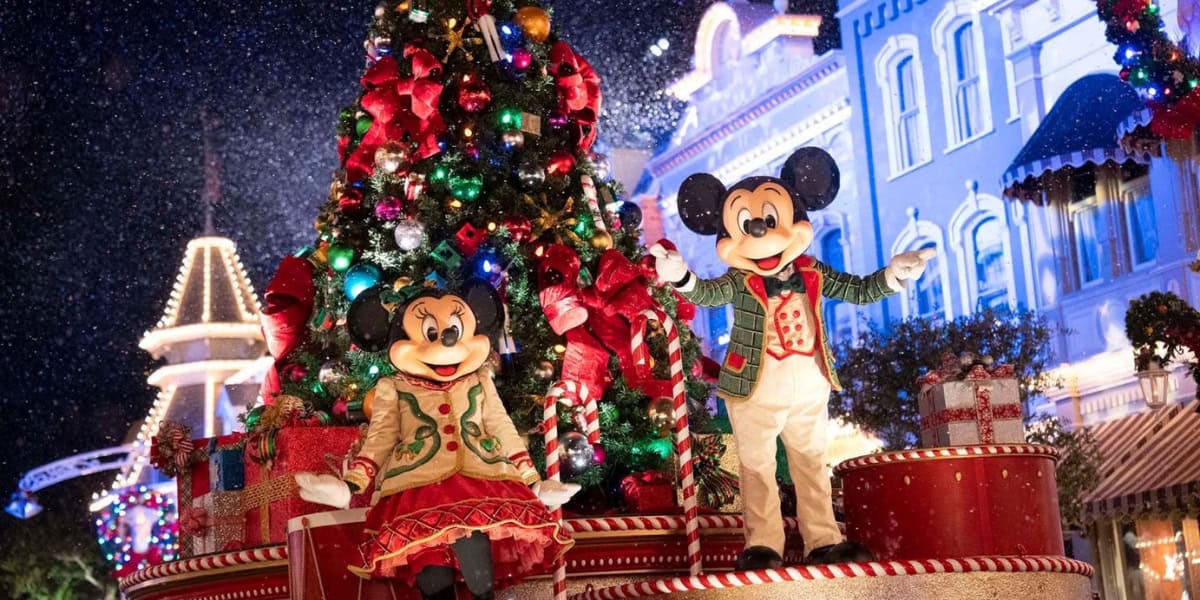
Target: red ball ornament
(350, 201)
(521, 59)
(473, 94)
(562, 162)
(294, 372)
(518, 226)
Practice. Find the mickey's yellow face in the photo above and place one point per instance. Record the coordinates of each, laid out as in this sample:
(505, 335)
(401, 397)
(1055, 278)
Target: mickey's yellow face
(763, 238)
(442, 344)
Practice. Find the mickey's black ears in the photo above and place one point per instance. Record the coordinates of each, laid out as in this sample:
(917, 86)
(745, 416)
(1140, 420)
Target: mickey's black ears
(699, 202)
(813, 175)
(367, 321)
(485, 302)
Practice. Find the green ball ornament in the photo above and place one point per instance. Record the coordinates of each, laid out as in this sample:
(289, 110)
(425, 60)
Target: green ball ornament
(510, 119)
(466, 188)
(363, 126)
(341, 257)
(439, 174)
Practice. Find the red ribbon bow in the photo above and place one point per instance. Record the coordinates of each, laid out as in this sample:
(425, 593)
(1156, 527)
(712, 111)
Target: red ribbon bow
(171, 450)
(289, 302)
(403, 108)
(578, 91)
(597, 320)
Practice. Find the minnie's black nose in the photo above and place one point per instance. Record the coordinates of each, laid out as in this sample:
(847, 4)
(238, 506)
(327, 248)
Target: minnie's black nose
(756, 227)
(449, 336)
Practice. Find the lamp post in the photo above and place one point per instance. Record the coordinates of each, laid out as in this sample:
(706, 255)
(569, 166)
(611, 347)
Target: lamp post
(1155, 382)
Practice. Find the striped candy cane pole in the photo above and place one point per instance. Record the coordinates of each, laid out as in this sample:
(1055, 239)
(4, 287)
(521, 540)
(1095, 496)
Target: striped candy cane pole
(683, 436)
(550, 431)
(593, 202)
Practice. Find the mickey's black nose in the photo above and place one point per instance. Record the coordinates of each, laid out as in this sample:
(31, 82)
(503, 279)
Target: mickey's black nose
(449, 336)
(756, 227)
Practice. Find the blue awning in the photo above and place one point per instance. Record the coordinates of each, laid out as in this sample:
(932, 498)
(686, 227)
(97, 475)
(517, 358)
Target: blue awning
(1081, 128)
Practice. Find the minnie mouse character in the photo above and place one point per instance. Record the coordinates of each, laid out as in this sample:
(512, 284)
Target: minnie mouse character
(452, 472)
(778, 369)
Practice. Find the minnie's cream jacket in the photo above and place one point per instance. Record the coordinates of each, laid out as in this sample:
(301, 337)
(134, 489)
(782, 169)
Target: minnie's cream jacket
(422, 432)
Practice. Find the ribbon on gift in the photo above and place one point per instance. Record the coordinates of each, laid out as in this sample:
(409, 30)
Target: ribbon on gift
(597, 319)
(287, 411)
(224, 521)
(403, 108)
(172, 450)
(262, 494)
(966, 367)
(983, 414)
(718, 487)
(578, 91)
(288, 302)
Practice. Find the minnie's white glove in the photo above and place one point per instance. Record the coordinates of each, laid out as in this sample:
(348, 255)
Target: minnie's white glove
(669, 264)
(554, 493)
(906, 266)
(324, 489)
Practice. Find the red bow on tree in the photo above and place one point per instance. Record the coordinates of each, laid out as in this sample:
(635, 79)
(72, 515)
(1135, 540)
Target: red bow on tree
(289, 302)
(578, 91)
(597, 320)
(404, 108)
(171, 450)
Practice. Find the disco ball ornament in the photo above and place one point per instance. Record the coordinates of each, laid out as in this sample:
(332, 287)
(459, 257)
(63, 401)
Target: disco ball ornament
(513, 140)
(389, 208)
(661, 413)
(331, 376)
(575, 452)
(630, 215)
(361, 277)
(531, 175)
(391, 156)
(544, 370)
(409, 234)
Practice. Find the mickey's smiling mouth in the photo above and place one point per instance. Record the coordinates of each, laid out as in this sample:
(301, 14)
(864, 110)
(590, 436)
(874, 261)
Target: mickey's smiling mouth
(444, 370)
(769, 262)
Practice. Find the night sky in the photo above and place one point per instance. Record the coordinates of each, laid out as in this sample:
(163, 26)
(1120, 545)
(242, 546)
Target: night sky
(100, 171)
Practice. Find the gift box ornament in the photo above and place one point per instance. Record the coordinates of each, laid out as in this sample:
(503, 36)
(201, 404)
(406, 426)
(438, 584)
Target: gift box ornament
(970, 401)
(447, 256)
(649, 492)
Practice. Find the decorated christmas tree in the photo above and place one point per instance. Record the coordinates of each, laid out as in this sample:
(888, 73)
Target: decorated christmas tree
(467, 154)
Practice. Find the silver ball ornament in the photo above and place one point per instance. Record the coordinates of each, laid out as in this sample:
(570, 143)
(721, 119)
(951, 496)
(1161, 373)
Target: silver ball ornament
(331, 376)
(409, 234)
(513, 139)
(531, 175)
(575, 451)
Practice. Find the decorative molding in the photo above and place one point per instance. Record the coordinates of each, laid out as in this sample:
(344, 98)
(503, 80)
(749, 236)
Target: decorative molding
(882, 458)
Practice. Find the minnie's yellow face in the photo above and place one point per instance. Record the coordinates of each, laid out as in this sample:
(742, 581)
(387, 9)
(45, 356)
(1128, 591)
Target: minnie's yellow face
(763, 238)
(442, 344)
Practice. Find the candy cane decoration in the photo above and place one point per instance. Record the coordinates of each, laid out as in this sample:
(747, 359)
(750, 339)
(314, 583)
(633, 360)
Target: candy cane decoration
(550, 431)
(683, 436)
(593, 202)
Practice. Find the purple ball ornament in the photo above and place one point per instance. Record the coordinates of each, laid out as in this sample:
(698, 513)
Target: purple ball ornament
(389, 208)
(521, 59)
(598, 453)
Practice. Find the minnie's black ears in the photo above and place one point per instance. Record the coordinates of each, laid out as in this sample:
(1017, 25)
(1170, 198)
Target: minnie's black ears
(813, 176)
(485, 302)
(699, 200)
(368, 321)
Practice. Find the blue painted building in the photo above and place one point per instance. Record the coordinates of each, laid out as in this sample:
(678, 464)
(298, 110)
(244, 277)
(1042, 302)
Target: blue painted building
(997, 132)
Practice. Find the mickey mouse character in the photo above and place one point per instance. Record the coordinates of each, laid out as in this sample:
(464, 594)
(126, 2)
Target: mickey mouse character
(452, 472)
(778, 369)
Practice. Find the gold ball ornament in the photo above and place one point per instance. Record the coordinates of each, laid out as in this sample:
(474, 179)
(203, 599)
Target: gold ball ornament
(602, 240)
(534, 22)
(544, 370)
(320, 256)
(401, 283)
(368, 401)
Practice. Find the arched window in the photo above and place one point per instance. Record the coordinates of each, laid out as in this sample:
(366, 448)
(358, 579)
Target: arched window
(991, 272)
(898, 73)
(958, 42)
(925, 294)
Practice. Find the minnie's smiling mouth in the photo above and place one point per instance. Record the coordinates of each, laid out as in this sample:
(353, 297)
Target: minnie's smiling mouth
(444, 370)
(769, 262)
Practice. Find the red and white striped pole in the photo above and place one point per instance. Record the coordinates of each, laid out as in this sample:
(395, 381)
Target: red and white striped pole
(550, 431)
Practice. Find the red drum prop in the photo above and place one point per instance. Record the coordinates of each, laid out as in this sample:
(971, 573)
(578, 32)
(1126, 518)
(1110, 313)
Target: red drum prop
(320, 546)
(995, 500)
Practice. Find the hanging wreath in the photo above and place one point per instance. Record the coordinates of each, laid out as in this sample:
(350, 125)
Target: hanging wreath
(1161, 327)
(1160, 69)
(137, 530)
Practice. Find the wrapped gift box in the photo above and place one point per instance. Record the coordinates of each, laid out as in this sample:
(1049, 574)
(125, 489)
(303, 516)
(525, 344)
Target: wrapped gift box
(273, 459)
(216, 523)
(226, 469)
(979, 405)
(649, 492)
(198, 479)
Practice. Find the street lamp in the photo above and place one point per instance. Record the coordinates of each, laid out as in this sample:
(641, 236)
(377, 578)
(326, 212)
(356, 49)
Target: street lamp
(1155, 382)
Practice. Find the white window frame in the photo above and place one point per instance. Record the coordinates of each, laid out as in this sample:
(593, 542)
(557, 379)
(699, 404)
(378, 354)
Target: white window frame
(897, 48)
(1130, 192)
(914, 235)
(954, 15)
(1073, 210)
(976, 209)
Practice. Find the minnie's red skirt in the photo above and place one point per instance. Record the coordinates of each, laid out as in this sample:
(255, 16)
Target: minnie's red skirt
(413, 529)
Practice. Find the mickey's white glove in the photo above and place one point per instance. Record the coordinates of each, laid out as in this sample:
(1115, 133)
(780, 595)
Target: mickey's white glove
(554, 493)
(669, 265)
(323, 489)
(906, 266)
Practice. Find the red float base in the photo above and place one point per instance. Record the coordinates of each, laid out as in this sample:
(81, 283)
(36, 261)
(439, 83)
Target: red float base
(954, 502)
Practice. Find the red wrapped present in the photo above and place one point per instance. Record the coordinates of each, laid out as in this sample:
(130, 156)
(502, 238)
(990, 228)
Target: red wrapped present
(963, 404)
(649, 492)
(215, 522)
(273, 458)
(195, 481)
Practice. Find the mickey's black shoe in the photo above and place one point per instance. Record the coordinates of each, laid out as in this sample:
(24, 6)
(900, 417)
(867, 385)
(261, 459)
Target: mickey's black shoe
(839, 553)
(759, 557)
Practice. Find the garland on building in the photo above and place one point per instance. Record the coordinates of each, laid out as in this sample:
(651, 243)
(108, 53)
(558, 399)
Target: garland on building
(1160, 69)
(1161, 327)
(137, 530)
